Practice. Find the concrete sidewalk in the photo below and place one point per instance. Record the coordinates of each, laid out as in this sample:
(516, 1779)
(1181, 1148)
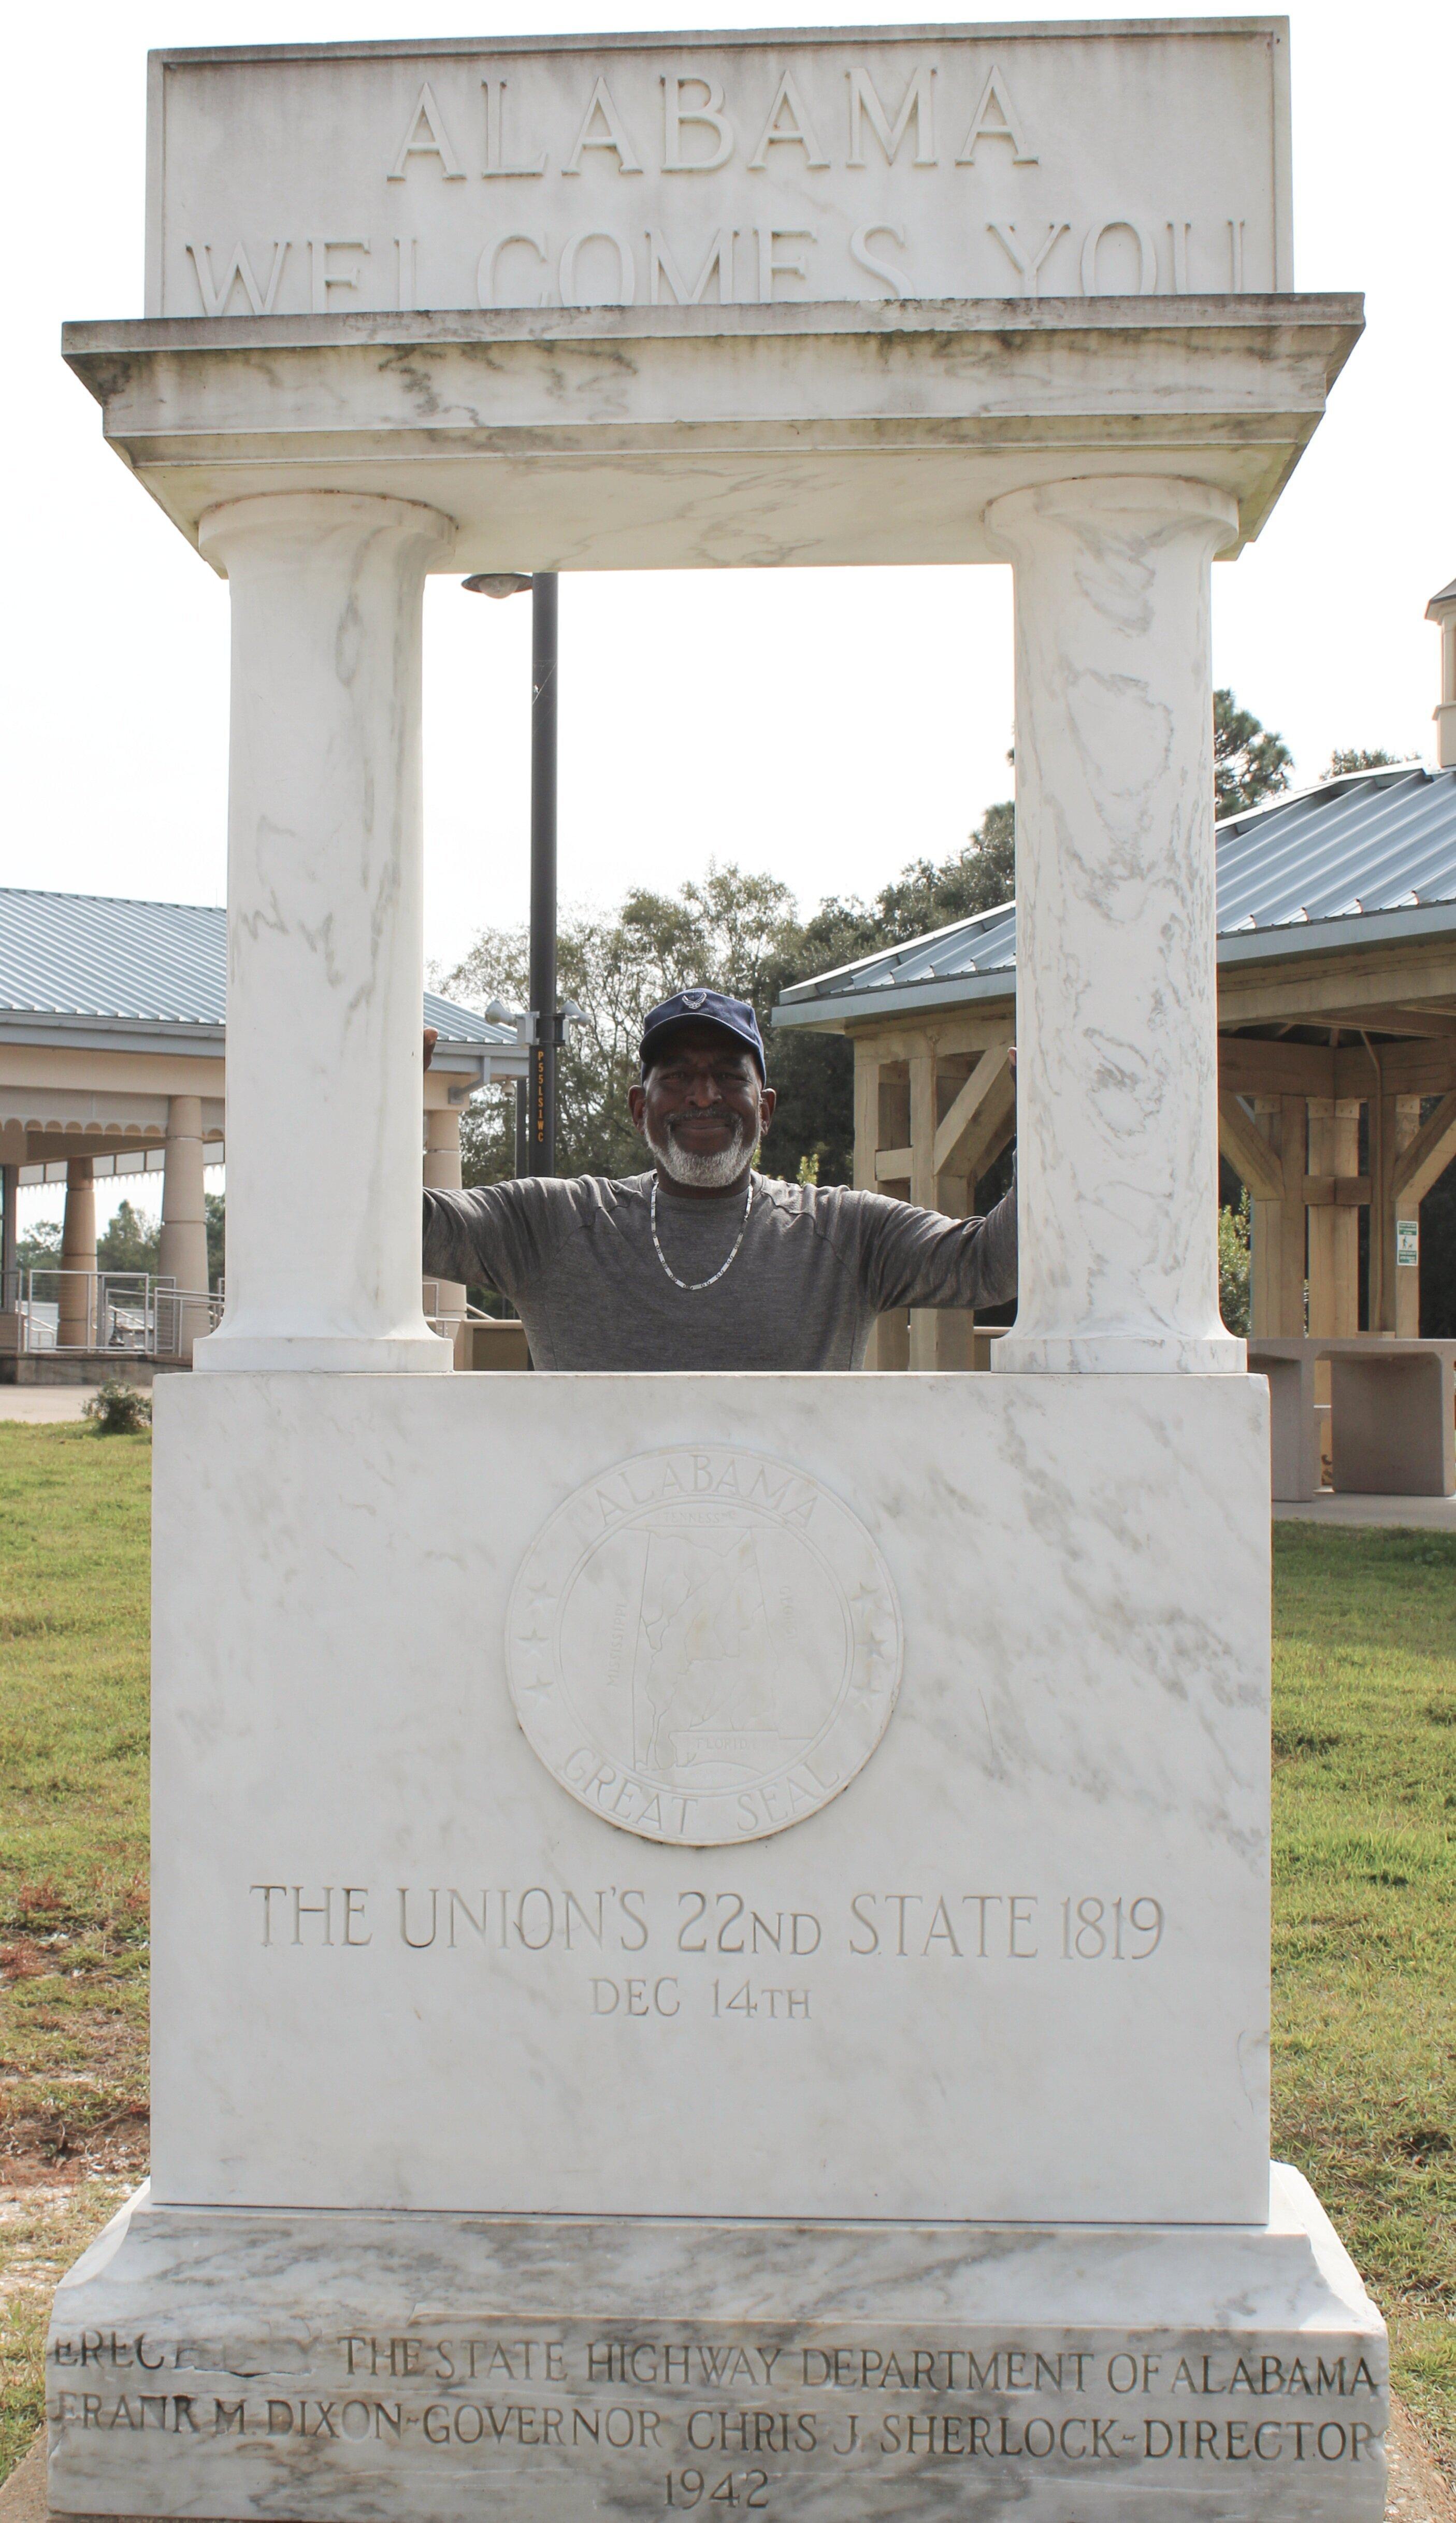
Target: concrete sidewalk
(1351, 1507)
(40, 1401)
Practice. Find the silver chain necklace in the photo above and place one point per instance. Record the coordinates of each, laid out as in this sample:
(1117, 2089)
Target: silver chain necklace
(692, 1286)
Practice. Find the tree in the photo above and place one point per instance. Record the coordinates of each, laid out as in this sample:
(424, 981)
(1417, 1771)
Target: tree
(1233, 1267)
(1250, 763)
(131, 1241)
(214, 1210)
(40, 1250)
(1347, 758)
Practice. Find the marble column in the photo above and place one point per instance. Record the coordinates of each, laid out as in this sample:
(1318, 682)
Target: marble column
(1115, 1009)
(324, 1057)
(77, 1328)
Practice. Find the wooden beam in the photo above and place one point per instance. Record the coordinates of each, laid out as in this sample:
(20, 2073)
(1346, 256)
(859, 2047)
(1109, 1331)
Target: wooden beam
(1249, 1152)
(1248, 1065)
(894, 1165)
(990, 1130)
(957, 1123)
(1405, 1069)
(1417, 1024)
(1336, 1191)
(1297, 991)
(1430, 1151)
(922, 1123)
(867, 1115)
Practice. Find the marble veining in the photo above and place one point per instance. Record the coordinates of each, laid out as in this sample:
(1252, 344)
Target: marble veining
(1117, 1148)
(318, 2364)
(824, 2021)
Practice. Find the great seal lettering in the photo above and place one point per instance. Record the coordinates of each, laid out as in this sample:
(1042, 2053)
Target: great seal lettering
(703, 1645)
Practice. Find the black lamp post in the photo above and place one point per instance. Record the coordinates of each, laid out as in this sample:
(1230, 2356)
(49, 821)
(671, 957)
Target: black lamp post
(535, 1109)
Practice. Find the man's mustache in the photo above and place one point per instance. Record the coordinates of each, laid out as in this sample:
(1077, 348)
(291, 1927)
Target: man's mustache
(707, 1113)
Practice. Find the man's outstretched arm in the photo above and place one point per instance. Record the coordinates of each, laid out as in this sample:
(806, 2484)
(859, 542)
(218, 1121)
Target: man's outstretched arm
(918, 1256)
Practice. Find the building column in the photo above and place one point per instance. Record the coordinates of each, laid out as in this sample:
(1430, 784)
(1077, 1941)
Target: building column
(1117, 1135)
(183, 1251)
(443, 1173)
(325, 933)
(10, 1184)
(77, 1328)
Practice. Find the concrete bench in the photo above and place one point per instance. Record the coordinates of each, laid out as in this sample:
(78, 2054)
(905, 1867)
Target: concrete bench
(1392, 1411)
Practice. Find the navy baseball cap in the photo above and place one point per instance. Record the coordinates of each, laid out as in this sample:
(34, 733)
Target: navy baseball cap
(709, 1008)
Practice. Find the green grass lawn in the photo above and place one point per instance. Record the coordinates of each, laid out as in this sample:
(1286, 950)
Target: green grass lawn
(1364, 1894)
(1365, 1921)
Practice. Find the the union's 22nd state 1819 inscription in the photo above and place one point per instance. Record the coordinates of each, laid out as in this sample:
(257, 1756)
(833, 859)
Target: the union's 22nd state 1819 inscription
(704, 1645)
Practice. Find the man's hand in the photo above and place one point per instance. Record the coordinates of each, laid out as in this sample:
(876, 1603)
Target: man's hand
(432, 1036)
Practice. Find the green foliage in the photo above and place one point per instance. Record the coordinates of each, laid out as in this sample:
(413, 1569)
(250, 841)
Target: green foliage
(215, 1205)
(119, 1409)
(40, 1250)
(131, 1241)
(74, 1534)
(1249, 762)
(1233, 1267)
(1347, 758)
(730, 931)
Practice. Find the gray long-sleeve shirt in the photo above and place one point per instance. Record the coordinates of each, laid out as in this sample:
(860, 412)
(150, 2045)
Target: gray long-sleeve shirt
(816, 1267)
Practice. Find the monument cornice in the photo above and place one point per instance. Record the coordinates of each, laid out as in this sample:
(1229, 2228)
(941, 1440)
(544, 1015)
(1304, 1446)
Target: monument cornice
(732, 432)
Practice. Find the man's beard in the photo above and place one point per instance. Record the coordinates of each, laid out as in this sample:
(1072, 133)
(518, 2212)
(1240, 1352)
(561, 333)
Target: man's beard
(694, 1167)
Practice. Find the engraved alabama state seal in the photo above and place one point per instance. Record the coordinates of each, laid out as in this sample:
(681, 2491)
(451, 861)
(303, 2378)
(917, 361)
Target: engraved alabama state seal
(703, 1645)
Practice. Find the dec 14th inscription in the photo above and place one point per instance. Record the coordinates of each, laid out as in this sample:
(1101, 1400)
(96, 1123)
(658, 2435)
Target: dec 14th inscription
(703, 1645)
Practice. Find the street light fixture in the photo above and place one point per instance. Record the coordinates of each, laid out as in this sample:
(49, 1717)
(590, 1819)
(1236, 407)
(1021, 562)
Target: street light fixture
(535, 1109)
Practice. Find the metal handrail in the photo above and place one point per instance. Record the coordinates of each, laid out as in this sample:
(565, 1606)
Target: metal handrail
(138, 1313)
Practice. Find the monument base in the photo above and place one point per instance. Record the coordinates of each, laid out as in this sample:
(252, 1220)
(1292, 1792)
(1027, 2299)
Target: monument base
(379, 2367)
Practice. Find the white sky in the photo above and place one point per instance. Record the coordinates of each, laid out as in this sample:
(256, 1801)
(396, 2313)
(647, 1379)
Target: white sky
(828, 725)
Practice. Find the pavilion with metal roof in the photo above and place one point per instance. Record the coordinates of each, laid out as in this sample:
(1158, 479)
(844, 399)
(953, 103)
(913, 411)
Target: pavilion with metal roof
(1337, 982)
(112, 1060)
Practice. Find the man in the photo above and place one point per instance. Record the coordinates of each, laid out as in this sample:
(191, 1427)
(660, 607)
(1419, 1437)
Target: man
(701, 1264)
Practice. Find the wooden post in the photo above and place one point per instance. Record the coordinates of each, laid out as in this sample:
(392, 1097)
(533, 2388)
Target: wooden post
(924, 1344)
(1265, 1230)
(1333, 1228)
(1394, 1291)
(1293, 1149)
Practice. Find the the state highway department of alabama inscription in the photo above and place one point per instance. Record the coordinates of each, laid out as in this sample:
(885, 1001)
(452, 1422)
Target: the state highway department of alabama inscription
(703, 1645)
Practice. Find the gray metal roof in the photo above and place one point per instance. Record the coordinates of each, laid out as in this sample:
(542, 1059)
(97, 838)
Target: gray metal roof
(145, 965)
(1353, 860)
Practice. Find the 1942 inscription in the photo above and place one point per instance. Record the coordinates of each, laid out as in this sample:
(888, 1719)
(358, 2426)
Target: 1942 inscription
(734, 2417)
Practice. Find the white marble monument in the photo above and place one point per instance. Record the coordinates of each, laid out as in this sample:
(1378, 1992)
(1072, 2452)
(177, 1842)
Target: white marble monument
(742, 1977)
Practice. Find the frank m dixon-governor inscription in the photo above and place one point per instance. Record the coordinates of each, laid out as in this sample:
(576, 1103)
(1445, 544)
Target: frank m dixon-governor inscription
(704, 1645)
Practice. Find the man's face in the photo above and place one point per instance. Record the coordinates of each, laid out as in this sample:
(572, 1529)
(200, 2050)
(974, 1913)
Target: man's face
(702, 1107)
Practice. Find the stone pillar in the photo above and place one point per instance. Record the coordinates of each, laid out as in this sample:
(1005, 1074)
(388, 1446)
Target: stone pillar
(77, 1328)
(443, 1173)
(10, 1184)
(324, 1057)
(1117, 1135)
(183, 1252)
